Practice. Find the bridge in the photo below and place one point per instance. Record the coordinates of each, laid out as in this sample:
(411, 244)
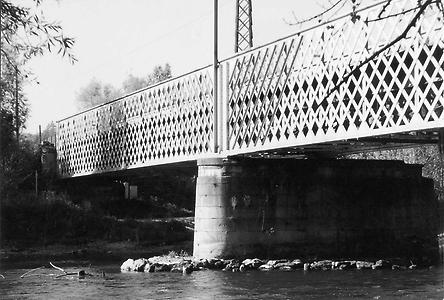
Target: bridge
(349, 85)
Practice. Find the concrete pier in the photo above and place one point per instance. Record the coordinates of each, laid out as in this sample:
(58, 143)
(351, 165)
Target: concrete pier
(334, 208)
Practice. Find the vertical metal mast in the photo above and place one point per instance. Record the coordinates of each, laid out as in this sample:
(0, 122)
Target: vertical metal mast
(244, 26)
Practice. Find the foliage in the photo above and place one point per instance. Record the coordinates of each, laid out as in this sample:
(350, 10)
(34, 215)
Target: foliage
(26, 32)
(11, 82)
(18, 163)
(96, 92)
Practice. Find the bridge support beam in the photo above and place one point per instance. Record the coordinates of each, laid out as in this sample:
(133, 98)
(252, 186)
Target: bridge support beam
(300, 208)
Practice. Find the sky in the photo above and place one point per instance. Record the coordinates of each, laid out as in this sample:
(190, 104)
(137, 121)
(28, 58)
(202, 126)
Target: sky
(115, 38)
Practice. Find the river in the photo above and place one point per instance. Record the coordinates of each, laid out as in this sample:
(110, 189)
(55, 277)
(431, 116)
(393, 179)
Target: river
(381, 284)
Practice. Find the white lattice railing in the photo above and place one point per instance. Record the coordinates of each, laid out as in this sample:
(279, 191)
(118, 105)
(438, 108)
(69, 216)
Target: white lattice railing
(281, 95)
(169, 122)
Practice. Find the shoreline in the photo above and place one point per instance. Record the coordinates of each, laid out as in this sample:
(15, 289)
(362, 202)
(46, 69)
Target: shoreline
(98, 251)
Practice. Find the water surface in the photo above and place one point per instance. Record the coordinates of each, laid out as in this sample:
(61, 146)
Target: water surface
(365, 284)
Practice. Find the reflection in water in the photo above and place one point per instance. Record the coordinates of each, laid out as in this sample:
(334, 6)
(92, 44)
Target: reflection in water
(226, 285)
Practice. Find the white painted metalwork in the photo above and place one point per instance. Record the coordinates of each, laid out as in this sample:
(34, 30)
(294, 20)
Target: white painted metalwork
(285, 94)
(165, 123)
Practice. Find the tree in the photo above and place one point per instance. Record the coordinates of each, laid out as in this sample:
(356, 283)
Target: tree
(159, 73)
(96, 92)
(133, 83)
(24, 33)
(28, 34)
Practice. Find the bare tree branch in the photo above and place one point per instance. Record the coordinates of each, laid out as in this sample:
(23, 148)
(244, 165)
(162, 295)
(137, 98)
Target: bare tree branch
(403, 35)
(314, 17)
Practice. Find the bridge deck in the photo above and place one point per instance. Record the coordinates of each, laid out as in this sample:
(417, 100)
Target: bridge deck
(301, 92)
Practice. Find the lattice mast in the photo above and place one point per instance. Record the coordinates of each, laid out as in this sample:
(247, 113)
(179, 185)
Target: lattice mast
(244, 26)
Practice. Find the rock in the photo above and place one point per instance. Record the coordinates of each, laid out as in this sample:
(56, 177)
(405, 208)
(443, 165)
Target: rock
(266, 267)
(322, 265)
(382, 264)
(297, 264)
(139, 265)
(361, 265)
(252, 263)
(162, 267)
(283, 265)
(177, 269)
(274, 262)
(212, 263)
(127, 265)
(344, 265)
(149, 268)
(286, 268)
(232, 264)
(219, 265)
(187, 269)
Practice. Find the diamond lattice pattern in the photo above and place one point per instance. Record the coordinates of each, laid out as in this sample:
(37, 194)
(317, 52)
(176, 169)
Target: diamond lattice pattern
(284, 95)
(169, 122)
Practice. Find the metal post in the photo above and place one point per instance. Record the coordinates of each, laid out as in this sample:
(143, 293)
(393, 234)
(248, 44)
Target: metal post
(40, 134)
(215, 79)
(17, 119)
(236, 30)
(36, 183)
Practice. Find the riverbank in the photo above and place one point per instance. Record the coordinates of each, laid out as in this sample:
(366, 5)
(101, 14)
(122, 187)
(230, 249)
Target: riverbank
(98, 251)
(57, 228)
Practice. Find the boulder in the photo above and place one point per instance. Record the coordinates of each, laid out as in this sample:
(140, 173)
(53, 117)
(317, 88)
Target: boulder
(362, 265)
(139, 265)
(149, 268)
(297, 264)
(127, 265)
(344, 265)
(283, 265)
(177, 269)
(322, 265)
(266, 267)
(163, 267)
(233, 265)
(187, 269)
(382, 264)
(252, 263)
(219, 265)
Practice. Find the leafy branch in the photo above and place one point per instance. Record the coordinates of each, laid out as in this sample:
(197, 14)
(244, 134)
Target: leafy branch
(29, 34)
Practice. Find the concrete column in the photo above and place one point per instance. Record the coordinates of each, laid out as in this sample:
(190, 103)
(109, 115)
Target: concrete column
(332, 208)
(210, 234)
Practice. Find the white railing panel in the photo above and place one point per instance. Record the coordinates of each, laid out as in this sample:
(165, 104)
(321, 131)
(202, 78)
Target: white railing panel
(286, 94)
(169, 122)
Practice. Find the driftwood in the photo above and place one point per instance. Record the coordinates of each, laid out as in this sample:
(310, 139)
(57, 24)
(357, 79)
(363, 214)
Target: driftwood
(30, 271)
(2, 276)
(79, 274)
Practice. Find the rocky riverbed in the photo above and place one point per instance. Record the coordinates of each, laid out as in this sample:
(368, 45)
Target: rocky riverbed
(187, 264)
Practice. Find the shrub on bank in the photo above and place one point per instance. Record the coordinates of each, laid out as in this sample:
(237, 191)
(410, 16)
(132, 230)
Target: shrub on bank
(28, 221)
